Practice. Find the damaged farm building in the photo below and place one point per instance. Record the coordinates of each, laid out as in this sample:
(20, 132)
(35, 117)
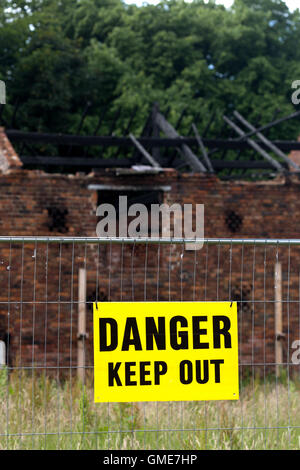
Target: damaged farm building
(252, 197)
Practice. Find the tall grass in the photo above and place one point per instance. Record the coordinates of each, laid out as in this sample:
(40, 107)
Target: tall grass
(39, 412)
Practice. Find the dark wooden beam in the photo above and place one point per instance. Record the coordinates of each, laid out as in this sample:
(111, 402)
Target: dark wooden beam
(184, 149)
(271, 124)
(241, 165)
(111, 141)
(128, 162)
(78, 161)
(203, 149)
(144, 152)
(255, 145)
(266, 141)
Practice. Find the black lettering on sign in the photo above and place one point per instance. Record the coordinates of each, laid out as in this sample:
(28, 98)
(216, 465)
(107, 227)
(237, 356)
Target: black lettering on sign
(175, 335)
(113, 374)
(186, 372)
(144, 372)
(103, 334)
(202, 379)
(157, 333)
(160, 368)
(129, 373)
(197, 332)
(217, 363)
(224, 331)
(131, 328)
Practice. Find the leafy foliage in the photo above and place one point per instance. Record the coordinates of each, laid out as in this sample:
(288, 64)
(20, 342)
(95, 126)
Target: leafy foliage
(57, 56)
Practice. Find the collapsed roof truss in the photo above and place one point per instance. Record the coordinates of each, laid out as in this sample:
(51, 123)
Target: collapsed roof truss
(161, 146)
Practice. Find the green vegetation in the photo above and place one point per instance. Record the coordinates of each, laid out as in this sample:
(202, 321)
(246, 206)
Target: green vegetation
(57, 56)
(38, 412)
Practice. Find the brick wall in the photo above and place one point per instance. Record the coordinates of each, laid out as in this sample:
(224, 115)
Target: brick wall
(39, 282)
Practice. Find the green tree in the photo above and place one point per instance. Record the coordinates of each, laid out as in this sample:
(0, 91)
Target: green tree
(58, 56)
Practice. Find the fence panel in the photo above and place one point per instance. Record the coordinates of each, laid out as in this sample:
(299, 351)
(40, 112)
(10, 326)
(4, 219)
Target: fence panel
(46, 384)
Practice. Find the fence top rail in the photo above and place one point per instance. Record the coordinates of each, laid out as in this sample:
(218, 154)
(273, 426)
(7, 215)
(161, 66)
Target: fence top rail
(148, 240)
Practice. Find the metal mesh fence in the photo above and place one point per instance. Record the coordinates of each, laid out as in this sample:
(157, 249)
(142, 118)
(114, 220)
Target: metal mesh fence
(46, 376)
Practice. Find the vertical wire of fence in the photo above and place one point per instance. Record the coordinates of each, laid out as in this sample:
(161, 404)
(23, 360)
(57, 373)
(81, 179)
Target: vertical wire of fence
(46, 371)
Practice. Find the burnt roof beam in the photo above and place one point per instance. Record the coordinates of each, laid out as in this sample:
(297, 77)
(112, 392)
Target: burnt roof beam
(266, 141)
(271, 124)
(184, 150)
(144, 152)
(202, 148)
(110, 141)
(254, 145)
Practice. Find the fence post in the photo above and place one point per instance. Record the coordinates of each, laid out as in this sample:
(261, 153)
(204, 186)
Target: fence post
(2, 354)
(278, 317)
(81, 336)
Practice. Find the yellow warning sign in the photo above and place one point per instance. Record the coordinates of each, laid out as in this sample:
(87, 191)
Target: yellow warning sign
(165, 351)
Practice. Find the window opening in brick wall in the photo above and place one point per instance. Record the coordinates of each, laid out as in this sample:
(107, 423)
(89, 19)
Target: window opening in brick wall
(243, 298)
(93, 296)
(57, 219)
(133, 197)
(233, 221)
